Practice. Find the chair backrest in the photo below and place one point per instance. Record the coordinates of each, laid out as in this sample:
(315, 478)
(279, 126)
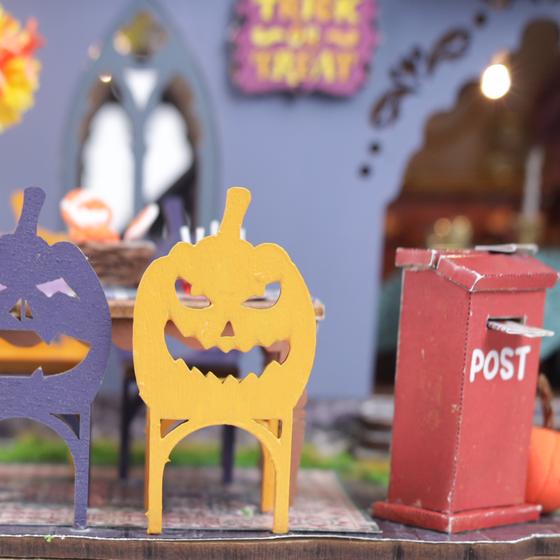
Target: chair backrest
(48, 291)
(174, 219)
(229, 271)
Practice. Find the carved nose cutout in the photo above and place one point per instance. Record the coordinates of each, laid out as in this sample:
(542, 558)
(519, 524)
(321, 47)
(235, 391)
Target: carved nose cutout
(21, 310)
(28, 313)
(15, 311)
(228, 330)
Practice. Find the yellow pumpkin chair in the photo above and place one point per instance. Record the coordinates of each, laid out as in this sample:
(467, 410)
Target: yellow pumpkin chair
(227, 273)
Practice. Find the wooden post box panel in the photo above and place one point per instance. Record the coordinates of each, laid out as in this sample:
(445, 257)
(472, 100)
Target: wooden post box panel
(467, 364)
(429, 365)
(500, 380)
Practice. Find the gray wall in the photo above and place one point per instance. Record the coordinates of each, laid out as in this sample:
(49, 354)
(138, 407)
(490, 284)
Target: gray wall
(299, 156)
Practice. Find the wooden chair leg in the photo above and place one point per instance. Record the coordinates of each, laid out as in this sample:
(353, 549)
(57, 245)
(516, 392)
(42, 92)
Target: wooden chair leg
(298, 437)
(282, 486)
(81, 454)
(155, 463)
(127, 415)
(268, 474)
(297, 445)
(147, 460)
(130, 405)
(228, 453)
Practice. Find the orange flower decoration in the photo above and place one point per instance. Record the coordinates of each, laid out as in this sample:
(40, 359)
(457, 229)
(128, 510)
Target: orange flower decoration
(19, 71)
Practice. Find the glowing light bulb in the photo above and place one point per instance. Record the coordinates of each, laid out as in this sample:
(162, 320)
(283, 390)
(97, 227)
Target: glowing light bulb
(495, 81)
(105, 78)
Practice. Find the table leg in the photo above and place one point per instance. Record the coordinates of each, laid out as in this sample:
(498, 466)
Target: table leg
(130, 405)
(298, 438)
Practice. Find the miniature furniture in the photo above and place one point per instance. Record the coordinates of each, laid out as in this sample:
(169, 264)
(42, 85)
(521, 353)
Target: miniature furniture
(60, 354)
(468, 355)
(225, 272)
(45, 292)
(121, 315)
(212, 360)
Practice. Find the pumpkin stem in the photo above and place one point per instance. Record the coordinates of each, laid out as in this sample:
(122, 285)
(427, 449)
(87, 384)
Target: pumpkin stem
(33, 199)
(237, 202)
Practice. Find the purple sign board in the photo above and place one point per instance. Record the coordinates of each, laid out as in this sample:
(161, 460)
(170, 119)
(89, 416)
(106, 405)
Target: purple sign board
(303, 45)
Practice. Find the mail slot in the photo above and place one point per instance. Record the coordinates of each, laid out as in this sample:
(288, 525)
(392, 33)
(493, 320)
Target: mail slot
(467, 363)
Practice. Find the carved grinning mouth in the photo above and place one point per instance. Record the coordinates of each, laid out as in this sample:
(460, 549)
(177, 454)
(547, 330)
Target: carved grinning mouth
(219, 360)
(24, 352)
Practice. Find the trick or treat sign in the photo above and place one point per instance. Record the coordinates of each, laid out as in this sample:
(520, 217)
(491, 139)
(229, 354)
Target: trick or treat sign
(303, 45)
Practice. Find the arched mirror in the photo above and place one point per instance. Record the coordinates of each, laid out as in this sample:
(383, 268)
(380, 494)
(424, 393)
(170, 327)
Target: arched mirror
(142, 128)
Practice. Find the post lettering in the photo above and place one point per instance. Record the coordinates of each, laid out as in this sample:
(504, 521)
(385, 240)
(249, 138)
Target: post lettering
(522, 352)
(501, 362)
(477, 362)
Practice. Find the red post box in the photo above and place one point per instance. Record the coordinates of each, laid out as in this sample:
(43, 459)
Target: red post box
(467, 365)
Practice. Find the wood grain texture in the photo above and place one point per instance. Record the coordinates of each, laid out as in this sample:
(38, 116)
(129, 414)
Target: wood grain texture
(539, 540)
(119, 263)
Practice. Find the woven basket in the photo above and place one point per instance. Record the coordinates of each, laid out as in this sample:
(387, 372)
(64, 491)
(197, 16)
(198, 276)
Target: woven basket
(121, 263)
(546, 396)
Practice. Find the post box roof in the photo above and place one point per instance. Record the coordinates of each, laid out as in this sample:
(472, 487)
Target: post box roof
(481, 271)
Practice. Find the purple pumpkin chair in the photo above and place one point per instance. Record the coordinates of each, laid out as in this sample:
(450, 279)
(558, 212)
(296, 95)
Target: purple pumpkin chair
(219, 362)
(47, 291)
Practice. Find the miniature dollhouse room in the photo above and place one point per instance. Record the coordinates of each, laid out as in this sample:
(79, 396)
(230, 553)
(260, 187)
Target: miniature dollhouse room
(278, 279)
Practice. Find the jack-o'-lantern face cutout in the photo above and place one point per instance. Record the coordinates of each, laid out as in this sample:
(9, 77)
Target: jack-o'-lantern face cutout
(49, 293)
(226, 273)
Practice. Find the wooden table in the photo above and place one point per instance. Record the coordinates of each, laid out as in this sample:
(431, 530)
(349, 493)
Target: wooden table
(122, 311)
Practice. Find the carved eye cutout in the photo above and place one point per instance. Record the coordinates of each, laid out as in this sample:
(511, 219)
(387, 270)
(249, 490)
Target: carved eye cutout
(58, 286)
(197, 302)
(187, 298)
(2, 287)
(21, 310)
(270, 297)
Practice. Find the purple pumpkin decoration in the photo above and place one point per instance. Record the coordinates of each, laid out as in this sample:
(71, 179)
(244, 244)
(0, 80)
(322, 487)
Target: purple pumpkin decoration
(57, 293)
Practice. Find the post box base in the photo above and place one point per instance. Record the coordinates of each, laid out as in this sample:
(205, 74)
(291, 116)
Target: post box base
(457, 522)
